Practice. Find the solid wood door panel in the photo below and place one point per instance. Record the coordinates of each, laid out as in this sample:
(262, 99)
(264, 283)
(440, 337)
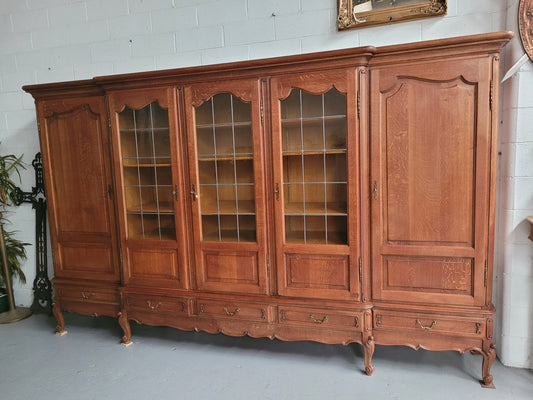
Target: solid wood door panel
(74, 141)
(430, 176)
(80, 258)
(316, 166)
(430, 146)
(226, 166)
(152, 267)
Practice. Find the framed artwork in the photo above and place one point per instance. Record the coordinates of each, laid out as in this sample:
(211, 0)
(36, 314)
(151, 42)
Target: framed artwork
(360, 13)
(525, 25)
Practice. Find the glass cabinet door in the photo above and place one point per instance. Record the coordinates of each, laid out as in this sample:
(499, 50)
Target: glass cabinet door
(147, 172)
(148, 167)
(316, 177)
(224, 143)
(227, 194)
(314, 149)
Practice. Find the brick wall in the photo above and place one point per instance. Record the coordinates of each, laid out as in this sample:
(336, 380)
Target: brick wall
(57, 40)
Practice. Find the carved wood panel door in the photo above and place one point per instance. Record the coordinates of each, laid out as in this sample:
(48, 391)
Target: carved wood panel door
(74, 142)
(316, 150)
(226, 163)
(149, 178)
(431, 165)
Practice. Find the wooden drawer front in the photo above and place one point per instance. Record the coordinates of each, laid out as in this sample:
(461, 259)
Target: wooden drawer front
(88, 294)
(429, 323)
(326, 318)
(234, 310)
(156, 303)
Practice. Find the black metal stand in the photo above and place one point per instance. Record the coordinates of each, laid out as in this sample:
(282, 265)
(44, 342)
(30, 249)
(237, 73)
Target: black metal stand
(42, 287)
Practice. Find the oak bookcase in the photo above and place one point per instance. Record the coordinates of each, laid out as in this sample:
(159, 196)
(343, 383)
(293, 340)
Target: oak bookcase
(344, 196)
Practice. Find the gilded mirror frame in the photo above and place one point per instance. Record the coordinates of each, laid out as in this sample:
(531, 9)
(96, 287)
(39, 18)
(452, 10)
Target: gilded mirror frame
(354, 14)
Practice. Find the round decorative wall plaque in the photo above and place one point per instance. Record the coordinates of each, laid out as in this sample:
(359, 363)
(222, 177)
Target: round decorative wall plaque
(525, 25)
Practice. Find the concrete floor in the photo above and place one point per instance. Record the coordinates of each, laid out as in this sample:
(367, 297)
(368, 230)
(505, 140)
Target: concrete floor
(164, 363)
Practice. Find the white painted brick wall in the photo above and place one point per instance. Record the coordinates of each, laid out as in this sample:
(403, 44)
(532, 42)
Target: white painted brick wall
(180, 19)
(51, 40)
(514, 270)
(105, 9)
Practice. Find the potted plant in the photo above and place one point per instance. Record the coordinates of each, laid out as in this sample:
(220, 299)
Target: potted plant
(15, 252)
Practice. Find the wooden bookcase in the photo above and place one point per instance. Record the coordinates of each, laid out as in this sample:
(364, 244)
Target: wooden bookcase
(345, 196)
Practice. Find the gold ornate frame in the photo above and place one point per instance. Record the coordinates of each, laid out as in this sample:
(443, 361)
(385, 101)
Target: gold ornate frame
(525, 25)
(347, 19)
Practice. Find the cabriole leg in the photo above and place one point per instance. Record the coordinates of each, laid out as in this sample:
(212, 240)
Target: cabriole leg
(489, 355)
(58, 314)
(369, 346)
(125, 325)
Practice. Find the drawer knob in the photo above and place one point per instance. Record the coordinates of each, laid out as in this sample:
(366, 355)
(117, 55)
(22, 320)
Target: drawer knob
(153, 307)
(230, 313)
(427, 328)
(86, 296)
(318, 321)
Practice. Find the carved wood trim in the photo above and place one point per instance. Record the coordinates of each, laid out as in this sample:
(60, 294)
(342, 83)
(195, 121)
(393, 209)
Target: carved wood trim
(246, 91)
(314, 83)
(52, 114)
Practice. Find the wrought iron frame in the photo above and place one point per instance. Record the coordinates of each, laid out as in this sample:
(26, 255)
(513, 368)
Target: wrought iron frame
(42, 287)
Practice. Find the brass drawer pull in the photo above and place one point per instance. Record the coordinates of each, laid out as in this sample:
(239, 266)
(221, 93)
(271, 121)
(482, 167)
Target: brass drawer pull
(427, 328)
(86, 296)
(153, 307)
(231, 314)
(318, 321)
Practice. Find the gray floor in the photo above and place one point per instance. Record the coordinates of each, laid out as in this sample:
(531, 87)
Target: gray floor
(164, 363)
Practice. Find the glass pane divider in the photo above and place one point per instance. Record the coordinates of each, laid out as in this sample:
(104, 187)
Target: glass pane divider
(155, 172)
(216, 166)
(138, 171)
(325, 175)
(303, 166)
(235, 169)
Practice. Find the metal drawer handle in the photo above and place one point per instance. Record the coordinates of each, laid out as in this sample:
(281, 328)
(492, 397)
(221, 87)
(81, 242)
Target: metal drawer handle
(318, 321)
(86, 296)
(153, 307)
(427, 328)
(231, 314)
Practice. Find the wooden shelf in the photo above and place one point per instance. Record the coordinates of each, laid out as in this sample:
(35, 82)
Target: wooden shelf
(333, 208)
(145, 130)
(126, 163)
(296, 122)
(225, 157)
(313, 152)
(164, 208)
(228, 207)
(223, 125)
